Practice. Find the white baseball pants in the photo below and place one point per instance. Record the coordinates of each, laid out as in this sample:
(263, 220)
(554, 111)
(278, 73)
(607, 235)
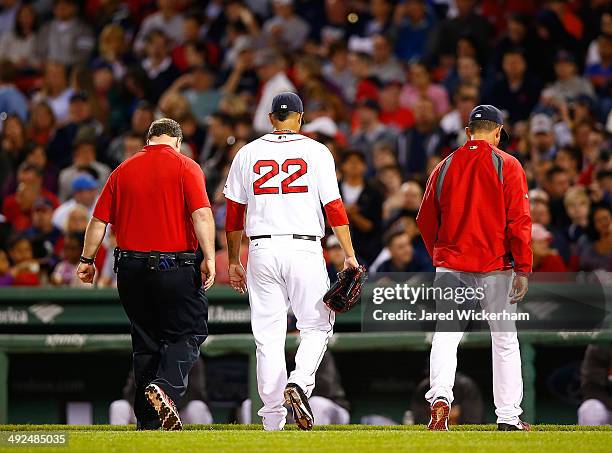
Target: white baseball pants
(507, 377)
(283, 273)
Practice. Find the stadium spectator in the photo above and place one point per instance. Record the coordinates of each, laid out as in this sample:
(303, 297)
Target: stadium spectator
(285, 30)
(578, 205)
(568, 83)
(402, 257)
(545, 258)
(595, 247)
(6, 277)
(467, 71)
(596, 407)
(423, 140)
(516, 91)
(167, 19)
(19, 45)
(363, 205)
(43, 235)
(337, 71)
(391, 112)
(55, 90)
(380, 14)
(84, 193)
(42, 123)
(17, 207)
(158, 67)
(81, 124)
(273, 80)
(419, 86)
(446, 35)
(83, 161)
(386, 67)
(14, 140)
(12, 101)
(370, 131)
(600, 73)
(64, 273)
(112, 51)
(141, 119)
(24, 268)
(66, 39)
(453, 123)
(335, 258)
(198, 87)
(414, 23)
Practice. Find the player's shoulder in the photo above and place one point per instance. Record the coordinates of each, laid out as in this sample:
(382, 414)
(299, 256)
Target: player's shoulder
(507, 158)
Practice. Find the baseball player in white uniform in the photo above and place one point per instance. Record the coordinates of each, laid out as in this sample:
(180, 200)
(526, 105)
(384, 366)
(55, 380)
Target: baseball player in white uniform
(284, 178)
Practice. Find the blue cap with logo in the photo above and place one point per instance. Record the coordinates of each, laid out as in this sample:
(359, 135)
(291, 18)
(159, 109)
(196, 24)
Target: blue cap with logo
(489, 113)
(287, 102)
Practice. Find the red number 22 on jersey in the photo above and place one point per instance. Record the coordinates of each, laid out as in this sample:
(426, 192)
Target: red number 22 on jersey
(274, 170)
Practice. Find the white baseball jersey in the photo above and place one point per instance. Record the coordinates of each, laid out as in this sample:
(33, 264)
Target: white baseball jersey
(283, 179)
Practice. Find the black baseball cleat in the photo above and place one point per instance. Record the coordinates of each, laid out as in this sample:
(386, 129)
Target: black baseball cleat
(296, 399)
(440, 409)
(165, 408)
(520, 426)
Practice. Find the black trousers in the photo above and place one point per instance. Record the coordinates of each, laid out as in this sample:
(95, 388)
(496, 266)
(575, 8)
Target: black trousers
(168, 312)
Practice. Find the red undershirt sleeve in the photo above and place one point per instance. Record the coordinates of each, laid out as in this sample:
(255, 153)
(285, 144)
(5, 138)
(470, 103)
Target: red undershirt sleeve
(234, 216)
(336, 214)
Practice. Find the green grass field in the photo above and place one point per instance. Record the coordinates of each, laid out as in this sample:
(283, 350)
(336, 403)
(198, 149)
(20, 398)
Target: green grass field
(353, 438)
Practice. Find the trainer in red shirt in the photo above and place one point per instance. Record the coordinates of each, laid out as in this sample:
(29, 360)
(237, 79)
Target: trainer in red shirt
(475, 216)
(157, 203)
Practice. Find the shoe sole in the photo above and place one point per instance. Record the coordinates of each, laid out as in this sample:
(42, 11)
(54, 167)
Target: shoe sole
(439, 416)
(525, 427)
(302, 418)
(168, 416)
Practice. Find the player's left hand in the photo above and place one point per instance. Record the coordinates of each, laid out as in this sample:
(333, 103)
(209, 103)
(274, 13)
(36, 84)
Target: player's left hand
(86, 272)
(520, 284)
(350, 261)
(208, 270)
(237, 278)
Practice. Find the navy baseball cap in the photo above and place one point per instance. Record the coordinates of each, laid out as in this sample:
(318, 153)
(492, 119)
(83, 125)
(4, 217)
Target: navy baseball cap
(489, 113)
(287, 102)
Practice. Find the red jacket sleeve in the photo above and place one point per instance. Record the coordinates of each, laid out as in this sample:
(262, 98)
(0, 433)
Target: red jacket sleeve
(428, 218)
(518, 216)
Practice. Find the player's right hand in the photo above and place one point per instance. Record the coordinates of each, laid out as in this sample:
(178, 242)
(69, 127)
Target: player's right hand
(237, 278)
(86, 272)
(350, 261)
(208, 272)
(520, 284)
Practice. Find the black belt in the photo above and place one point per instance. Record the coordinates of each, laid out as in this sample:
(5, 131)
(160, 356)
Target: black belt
(157, 260)
(304, 237)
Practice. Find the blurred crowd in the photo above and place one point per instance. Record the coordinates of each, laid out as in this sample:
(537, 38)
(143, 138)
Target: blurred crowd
(387, 85)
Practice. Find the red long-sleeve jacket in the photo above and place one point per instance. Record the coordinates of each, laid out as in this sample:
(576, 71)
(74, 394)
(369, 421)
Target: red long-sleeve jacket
(475, 216)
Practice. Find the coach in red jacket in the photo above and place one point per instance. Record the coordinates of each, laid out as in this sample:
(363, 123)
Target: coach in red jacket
(475, 222)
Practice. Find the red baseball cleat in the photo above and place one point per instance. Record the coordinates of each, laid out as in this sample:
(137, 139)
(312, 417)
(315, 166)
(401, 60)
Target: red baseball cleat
(440, 409)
